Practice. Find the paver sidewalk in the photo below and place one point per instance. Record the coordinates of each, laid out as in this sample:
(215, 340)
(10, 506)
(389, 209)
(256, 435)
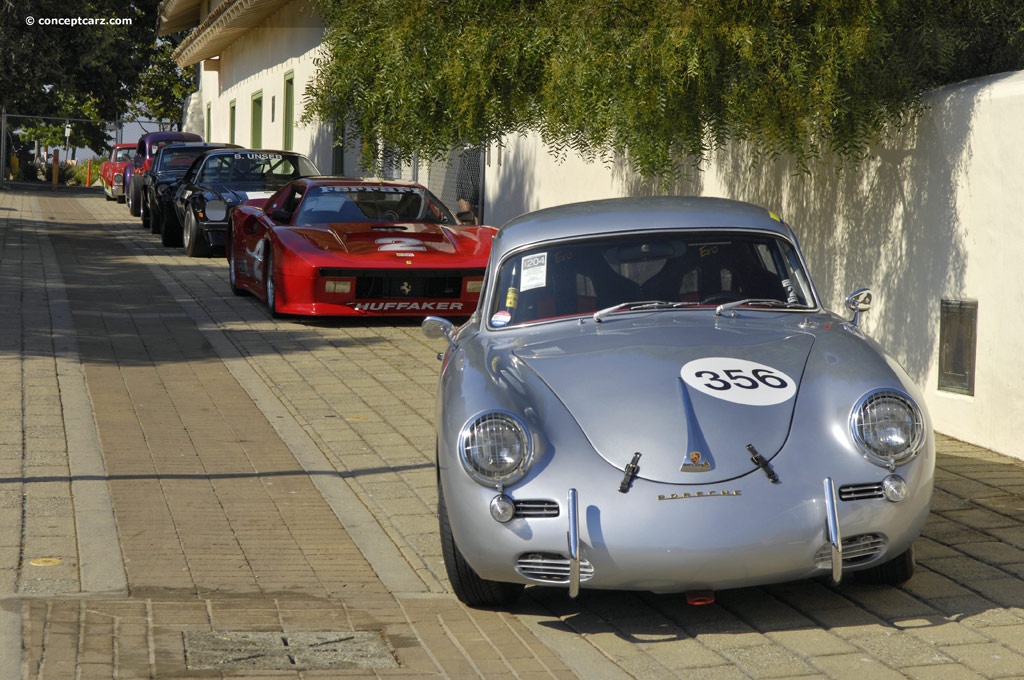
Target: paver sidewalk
(219, 528)
(190, 488)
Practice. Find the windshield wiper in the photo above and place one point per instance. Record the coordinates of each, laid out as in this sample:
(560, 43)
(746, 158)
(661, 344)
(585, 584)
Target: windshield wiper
(638, 306)
(754, 302)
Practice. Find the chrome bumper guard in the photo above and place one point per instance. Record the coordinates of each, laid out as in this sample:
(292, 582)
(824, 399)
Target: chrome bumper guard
(835, 538)
(574, 544)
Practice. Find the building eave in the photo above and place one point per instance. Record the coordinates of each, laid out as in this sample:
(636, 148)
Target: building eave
(178, 15)
(228, 22)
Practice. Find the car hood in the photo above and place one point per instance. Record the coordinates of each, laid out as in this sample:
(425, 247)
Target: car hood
(240, 194)
(688, 399)
(384, 243)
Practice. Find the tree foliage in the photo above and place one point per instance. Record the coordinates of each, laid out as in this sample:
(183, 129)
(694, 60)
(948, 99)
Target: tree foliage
(163, 86)
(76, 71)
(653, 80)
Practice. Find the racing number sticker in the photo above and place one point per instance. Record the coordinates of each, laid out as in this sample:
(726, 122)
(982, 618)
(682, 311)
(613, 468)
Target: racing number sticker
(739, 381)
(402, 243)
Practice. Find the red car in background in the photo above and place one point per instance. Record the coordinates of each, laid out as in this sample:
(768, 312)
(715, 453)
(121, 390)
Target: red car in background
(112, 171)
(336, 246)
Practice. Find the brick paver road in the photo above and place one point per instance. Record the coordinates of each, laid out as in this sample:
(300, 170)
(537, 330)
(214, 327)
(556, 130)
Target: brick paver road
(189, 488)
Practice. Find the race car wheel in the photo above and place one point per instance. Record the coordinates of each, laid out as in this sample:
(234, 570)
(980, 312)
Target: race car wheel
(268, 277)
(134, 198)
(466, 584)
(156, 217)
(232, 273)
(196, 244)
(144, 212)
(896, 571)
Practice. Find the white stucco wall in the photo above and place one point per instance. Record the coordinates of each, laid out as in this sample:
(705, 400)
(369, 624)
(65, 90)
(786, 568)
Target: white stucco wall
(288, 41)
(929, 215)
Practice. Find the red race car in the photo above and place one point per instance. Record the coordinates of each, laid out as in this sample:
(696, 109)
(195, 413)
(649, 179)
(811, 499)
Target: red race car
(112, 171)
(336, 246)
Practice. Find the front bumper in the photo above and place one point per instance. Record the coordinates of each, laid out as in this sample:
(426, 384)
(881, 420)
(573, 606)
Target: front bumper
(746, 533)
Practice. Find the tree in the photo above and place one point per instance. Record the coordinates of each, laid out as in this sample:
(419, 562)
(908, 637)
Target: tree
(163, 86)
(74, 71)
(654, 80)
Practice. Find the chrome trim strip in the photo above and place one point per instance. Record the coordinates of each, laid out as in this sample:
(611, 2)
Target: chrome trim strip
(574, 544)
(835, 538)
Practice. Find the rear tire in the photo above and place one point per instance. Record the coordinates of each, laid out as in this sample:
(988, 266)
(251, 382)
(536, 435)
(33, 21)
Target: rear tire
(466, 584)
(134, 198)
(896, 571)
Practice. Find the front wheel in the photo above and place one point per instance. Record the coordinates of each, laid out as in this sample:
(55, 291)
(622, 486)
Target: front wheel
(145, 212)
(268, 278)
(196, 244)
(466, 584)
(232, 267)
(895, 572)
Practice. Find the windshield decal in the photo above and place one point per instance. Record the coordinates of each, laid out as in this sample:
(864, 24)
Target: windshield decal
(535, 272)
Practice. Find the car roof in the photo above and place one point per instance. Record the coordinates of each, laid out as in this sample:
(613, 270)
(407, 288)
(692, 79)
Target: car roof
(635, 214)
(197, 145)
(183, 136)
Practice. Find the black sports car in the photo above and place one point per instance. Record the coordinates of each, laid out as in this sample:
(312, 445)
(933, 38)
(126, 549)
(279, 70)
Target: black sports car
(160, 182)
(221, 179)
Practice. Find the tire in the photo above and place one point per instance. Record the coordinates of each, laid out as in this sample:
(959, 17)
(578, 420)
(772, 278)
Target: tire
(466, 584)
(156, 218)
(145, 212)
(895, 572)
(232, 274)
(268, 277)
(196, 244)
(108, 193)
(170, 230)
(134, 198)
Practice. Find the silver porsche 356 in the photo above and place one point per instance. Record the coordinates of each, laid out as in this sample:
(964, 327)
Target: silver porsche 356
(651, 396)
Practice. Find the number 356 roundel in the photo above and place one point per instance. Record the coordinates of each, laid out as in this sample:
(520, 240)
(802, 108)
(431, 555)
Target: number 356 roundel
(739, 381)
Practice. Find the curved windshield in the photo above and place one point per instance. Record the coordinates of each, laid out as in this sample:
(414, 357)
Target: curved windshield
(178, 159)
(681, 269)
(360, 203)
(261, 168)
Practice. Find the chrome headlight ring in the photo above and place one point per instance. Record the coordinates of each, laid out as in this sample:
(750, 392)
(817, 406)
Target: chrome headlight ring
(496, 448)
(888, 427)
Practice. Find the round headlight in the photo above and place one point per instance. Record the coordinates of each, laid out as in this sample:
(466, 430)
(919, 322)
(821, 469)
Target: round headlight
(496, 449)
(888, 427)
(216, 210)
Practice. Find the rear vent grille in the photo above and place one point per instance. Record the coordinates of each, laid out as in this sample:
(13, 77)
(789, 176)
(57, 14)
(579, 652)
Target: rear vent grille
(856, 550)
(859, 492)
(551, 568)
(536, 508)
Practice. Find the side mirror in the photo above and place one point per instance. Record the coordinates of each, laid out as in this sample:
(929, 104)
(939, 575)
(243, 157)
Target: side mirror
(858, 302)
(435, 328)
(281, 215)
